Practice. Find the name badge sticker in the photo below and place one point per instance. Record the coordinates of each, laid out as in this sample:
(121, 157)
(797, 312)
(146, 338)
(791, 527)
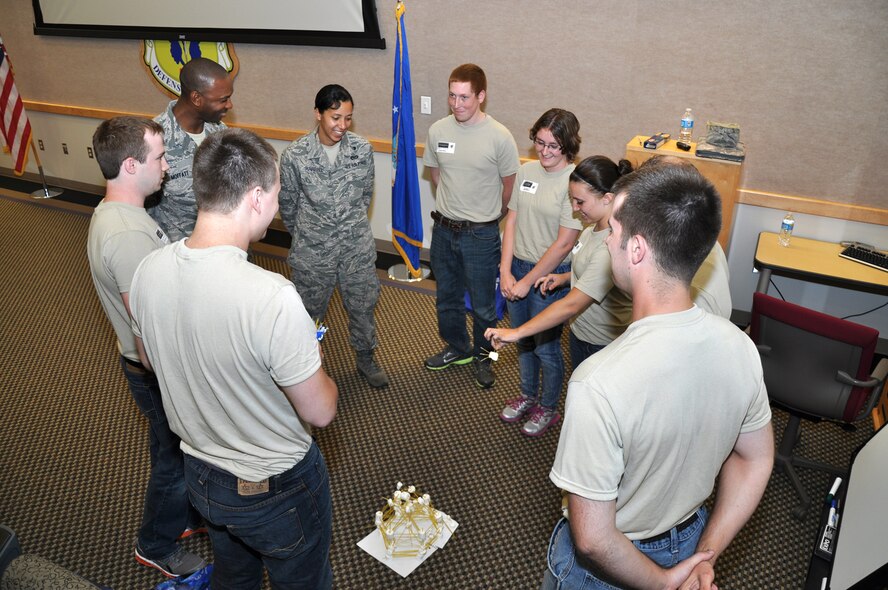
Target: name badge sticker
(529, 186)
(445, 147)
(576, 248)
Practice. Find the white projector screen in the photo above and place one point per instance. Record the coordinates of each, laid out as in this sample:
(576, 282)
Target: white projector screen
(344, 23)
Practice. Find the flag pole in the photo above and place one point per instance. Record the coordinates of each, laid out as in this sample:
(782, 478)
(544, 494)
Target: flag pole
(47, 192)
(406, 211)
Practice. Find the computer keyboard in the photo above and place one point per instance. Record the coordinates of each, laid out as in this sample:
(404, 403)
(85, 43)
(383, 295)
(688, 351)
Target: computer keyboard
(866, 256)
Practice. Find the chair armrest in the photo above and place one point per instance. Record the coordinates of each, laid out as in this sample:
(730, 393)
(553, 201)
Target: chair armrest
(764, 349)
(879, 377)
(843, 377)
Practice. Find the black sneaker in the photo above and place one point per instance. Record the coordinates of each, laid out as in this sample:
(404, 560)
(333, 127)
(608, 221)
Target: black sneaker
(178, 563)
(484, 376)
(445, 358)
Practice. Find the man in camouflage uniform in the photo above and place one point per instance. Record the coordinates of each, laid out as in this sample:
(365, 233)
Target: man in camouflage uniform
(204, 99)
(326, 186)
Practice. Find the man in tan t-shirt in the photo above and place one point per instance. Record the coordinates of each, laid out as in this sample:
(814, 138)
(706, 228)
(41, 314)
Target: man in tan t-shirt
(239, 367)
(653, 419)
(130, 153)
(473, 160)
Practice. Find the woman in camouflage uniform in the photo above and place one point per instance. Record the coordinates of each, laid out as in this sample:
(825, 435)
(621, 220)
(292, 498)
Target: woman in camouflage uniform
(326, 187)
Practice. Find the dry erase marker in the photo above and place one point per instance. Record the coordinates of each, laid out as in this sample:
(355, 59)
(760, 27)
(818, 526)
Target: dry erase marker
(832, 520)
(833, 490)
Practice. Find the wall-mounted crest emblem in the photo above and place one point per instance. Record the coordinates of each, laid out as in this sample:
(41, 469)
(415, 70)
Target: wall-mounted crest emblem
(164, 60)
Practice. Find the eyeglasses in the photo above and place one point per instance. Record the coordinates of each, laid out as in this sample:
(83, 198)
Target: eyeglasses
(553, 147)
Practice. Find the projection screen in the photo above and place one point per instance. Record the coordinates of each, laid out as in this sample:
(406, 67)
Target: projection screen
(342, 23)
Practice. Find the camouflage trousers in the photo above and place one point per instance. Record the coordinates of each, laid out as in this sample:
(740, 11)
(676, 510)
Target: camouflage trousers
(315, 278)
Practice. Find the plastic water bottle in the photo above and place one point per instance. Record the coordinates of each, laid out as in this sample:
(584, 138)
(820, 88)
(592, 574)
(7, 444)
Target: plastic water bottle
(687, 126)
(786, 230)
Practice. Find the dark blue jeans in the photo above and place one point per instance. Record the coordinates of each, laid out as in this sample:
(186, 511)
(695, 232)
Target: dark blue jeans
(465, 261)
(540, 352)
(580, 350)
(286, 529)
(166, 512)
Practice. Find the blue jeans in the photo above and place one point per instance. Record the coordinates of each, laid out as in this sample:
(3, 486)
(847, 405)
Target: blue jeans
(565, 572)
(167, 511)
(465, 261)
(541, 351)
(286, 529)
(580, 350)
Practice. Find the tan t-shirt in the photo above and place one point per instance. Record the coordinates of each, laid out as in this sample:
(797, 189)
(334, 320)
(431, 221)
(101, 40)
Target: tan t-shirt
(710, 287)
(591, 273)
(650, 419)
(543, 207)
(222, 334)
(120, 236)
(472, 161)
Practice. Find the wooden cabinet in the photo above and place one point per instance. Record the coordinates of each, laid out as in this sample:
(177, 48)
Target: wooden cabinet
(723, 174)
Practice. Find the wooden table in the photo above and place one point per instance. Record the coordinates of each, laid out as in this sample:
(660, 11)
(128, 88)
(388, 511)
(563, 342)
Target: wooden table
(723, 174)
(814, 261)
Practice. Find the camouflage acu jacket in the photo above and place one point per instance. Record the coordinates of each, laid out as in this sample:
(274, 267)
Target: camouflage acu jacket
(177, 210)
(324, 207)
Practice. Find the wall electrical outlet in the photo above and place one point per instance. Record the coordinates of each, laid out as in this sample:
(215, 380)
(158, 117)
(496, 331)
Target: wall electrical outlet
(65, 148)
(40, 144)
(425, 105)
(89, 152)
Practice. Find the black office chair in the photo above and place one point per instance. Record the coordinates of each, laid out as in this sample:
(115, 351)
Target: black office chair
(816, 367)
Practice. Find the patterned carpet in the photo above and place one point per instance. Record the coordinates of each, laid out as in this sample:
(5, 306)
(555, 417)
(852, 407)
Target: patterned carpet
(74, 458)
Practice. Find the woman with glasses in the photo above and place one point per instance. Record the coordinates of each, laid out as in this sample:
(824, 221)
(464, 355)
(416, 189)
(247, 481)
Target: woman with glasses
(540, 231)
(601, 311)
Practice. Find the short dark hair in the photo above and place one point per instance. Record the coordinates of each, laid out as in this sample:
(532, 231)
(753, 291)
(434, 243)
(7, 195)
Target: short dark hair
(676, 210)
(119, 138)
(332, 96)
(199, 74)
(227, 165)
(470, 73)
(600, 172)
(563, 125)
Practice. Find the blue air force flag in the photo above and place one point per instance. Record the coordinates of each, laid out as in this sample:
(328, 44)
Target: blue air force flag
(406, 207)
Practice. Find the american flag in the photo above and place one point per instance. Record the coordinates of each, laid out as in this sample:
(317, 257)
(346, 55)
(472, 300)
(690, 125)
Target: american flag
(14, 125)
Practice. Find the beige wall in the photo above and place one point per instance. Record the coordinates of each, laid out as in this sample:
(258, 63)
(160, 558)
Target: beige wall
(807, 81)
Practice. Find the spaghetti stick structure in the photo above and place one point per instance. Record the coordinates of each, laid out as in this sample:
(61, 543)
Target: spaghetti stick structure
(409, 523)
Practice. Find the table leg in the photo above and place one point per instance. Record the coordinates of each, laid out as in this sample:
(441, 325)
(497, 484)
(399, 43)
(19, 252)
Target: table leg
(764, 280)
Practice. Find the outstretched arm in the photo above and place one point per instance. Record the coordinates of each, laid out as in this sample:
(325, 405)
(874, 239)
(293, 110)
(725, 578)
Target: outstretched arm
(562, 310)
